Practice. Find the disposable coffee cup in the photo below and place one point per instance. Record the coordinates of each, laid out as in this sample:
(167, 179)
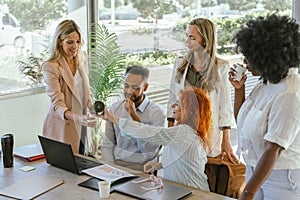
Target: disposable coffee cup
(104, 189)
(7, 144)
(239, 70)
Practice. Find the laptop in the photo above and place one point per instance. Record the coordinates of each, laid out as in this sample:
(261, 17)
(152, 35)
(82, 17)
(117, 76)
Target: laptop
(127, 187)
(60, 155)
(169, 191)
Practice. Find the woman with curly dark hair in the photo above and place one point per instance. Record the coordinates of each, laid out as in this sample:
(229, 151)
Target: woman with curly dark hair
(184, 155)
(268, 120)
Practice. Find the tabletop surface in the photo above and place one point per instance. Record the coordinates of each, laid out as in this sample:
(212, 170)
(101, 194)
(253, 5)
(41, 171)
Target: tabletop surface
(69, 189)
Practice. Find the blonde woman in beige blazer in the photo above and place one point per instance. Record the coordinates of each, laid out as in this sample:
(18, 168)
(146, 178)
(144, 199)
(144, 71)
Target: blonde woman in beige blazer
(67, 85)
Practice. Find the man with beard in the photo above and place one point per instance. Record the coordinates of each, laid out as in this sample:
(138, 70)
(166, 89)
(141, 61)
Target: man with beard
(125, 151)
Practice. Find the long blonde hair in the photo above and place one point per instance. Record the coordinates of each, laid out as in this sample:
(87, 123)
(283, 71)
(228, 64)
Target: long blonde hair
(63, 30)
(210, 75)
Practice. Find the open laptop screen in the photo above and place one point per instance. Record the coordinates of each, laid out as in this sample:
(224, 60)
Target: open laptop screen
(60, 155)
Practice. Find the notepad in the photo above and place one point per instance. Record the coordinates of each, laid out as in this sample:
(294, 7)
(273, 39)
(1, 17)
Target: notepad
(30, 152)
(27, 168)
(30, 187)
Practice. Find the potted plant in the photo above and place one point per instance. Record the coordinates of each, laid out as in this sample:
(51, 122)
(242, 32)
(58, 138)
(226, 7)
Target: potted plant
(31, 68)
(106, 72)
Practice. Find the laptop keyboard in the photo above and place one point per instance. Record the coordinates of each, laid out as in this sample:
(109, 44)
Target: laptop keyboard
(84, 163)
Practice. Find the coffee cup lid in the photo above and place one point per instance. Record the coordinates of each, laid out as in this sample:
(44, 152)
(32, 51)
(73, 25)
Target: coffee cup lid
(8, 137)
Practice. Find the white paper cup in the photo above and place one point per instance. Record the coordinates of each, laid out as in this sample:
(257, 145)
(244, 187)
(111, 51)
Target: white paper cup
(239, 70)
(104, 189)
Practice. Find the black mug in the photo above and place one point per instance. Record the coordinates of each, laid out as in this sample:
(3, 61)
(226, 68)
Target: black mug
(99, 106)
(7, 143)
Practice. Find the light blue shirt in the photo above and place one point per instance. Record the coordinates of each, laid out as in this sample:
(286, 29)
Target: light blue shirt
(115, 147)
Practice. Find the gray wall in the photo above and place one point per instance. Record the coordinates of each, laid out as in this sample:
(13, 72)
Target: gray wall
(23, 116)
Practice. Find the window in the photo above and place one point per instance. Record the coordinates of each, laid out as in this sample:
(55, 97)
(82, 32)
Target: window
(24, 34)
(141, 26)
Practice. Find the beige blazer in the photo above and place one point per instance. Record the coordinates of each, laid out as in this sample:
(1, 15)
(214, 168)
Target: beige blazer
(61, 88)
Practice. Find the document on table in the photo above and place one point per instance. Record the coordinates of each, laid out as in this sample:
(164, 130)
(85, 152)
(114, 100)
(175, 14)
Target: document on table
(107, 173)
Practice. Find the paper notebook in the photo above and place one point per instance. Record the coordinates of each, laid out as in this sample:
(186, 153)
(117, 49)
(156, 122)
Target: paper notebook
(29, 152)
(30, 187)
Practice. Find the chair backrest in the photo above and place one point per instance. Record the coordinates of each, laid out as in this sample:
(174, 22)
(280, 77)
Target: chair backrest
(224, 177)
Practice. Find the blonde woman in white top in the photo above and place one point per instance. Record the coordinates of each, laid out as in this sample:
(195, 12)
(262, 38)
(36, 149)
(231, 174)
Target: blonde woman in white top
(203, 69)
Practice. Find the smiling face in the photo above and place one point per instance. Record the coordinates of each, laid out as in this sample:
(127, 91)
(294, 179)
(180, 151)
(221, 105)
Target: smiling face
(134, 88)
(70, 45)
(193, 40)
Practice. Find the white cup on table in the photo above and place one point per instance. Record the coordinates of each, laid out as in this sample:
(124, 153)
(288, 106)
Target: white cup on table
(239, 70)
(104, 189)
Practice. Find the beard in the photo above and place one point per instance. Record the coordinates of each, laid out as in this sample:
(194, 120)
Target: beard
(133, 97)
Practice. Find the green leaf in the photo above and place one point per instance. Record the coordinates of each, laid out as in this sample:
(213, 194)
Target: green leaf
(106, 63)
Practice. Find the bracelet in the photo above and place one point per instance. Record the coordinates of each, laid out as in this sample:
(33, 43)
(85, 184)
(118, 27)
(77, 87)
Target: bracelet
(225, 127)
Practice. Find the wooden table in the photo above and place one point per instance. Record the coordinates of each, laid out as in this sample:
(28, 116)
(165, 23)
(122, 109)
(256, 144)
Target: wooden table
(69, 189)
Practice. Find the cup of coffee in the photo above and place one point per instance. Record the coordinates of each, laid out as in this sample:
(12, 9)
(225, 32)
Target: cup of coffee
(104, 189)
(239, 70)
(7, 144)
(99, 107)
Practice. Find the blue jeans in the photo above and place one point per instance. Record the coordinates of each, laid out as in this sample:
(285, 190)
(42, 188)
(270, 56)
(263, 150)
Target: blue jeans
(281, 184)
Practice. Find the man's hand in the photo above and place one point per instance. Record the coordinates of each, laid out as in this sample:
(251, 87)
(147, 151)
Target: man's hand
(130, 107)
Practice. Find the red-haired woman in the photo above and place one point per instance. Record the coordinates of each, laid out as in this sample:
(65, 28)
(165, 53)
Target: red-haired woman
(184, 155)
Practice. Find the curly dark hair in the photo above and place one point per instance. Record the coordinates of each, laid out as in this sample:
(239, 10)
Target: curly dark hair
(271, 46)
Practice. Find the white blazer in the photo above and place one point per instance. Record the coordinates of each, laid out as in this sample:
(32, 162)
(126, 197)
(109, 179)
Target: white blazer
(222, 108)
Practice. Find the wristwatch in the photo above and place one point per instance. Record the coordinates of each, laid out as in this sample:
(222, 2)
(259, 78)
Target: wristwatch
(170, 119)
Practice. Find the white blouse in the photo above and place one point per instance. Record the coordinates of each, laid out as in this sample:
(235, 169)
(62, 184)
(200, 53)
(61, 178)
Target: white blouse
(183, 158)
(271, 113)
(79, 85)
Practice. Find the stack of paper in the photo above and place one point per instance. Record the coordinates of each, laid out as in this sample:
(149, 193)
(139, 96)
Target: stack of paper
(107, 173)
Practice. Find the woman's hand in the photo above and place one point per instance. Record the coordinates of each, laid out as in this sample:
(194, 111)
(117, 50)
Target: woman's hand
(150, 166)
(106, 115)
(226, 149)
(236, 84)
(85, 120)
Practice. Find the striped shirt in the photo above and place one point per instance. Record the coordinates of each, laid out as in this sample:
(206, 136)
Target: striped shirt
(183, 158)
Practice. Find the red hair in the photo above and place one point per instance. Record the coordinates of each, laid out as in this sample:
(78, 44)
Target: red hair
(196, 110)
